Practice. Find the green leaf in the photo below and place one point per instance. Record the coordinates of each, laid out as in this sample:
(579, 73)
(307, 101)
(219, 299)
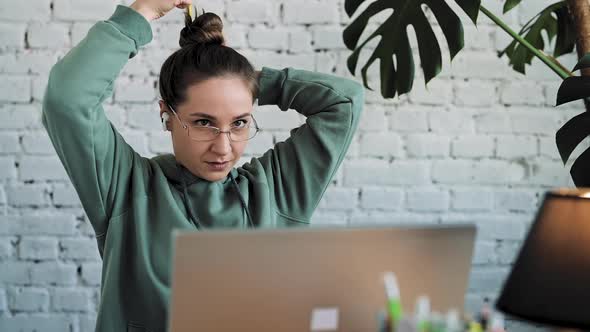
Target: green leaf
(574, 131)
(568, 137)
(571, 134)
(351, 6)
(584, 62)
(471, 8)
(566, 33)
(573, 88)
(579, 170)
(510, 4)
(398, 77)
(555, 21)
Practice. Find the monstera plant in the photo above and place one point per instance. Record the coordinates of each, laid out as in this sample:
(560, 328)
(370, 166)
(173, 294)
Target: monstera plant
(564, 23)
(573, 132)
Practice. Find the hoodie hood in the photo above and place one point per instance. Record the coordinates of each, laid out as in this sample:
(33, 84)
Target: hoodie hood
(186, 182)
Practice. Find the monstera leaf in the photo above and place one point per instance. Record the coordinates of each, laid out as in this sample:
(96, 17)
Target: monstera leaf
(573, 132)
(555, 21)
(398, 77)
(509, 4)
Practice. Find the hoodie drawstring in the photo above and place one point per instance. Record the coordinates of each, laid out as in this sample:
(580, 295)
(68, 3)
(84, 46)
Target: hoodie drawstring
(244, 206)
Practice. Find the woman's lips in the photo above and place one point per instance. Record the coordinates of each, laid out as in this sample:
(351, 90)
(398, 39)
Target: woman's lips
(217, 166)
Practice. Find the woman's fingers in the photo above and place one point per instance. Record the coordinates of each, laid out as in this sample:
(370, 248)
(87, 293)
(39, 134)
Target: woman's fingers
(182, 4)
(154, 9)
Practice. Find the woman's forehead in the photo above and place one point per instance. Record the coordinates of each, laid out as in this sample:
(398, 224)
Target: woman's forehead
(218, 98)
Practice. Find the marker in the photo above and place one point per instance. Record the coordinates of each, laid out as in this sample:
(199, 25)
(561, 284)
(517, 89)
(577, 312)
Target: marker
(452, 321)
(406, 324)
(394, 305)
(475, 327)
(383, 320)
(423, 314)
(437, 322)
(484, 315)
(497, 323)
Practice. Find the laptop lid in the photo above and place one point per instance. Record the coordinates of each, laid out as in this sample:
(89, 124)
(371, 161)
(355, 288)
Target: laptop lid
(282, 279)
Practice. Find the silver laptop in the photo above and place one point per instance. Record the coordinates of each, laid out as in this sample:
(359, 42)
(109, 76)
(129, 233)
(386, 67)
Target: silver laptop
(293, 279)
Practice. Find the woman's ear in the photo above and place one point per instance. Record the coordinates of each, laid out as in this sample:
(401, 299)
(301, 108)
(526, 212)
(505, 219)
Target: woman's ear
(164, 115)
(163, 107)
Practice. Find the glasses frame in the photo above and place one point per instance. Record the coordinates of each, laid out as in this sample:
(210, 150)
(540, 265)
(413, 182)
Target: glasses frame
(218, 131)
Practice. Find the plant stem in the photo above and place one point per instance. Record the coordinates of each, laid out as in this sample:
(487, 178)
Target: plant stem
(559, 71)
(580, 14)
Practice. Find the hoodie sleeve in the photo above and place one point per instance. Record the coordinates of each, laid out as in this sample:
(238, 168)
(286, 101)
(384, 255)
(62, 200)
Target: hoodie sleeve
(300, 169)
(95, 156)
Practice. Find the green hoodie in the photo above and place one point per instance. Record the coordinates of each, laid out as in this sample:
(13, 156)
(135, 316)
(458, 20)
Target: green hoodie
(134, 203)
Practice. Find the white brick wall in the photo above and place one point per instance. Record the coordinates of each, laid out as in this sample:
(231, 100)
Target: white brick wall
(53, 35)
(89, 10)
(72, 299)
(252, 11)
(469, 199)
(12, 35)
(315, 12)
(28, 299)
(475, 145)
(472, 146)
(19, 11)
(38, 248)
(15, 89)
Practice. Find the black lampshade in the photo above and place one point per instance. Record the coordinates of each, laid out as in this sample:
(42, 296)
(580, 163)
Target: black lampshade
(550, 280)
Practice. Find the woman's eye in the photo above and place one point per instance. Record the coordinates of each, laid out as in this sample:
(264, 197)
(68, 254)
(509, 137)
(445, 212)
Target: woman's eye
(202, 122)
(240, 123)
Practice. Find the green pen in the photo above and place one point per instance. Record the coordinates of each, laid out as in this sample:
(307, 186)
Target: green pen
(383, 321)
(423, 314)
(394, 304)
(437, 322)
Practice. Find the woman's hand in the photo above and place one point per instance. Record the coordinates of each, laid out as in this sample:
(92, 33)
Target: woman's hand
(154, 9)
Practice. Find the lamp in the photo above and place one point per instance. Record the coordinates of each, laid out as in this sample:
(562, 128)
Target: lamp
(550, 280)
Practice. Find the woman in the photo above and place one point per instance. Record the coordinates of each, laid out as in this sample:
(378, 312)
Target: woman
(208, 91)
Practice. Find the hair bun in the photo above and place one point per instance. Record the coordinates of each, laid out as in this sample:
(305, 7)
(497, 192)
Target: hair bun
(205, 29)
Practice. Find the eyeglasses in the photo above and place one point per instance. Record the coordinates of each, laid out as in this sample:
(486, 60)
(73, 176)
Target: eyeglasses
(238, 133)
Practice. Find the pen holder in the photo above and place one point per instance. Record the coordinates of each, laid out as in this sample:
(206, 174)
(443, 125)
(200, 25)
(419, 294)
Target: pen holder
(436, 323)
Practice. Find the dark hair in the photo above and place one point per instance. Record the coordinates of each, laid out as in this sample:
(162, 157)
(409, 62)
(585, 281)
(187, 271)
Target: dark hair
(202, 55)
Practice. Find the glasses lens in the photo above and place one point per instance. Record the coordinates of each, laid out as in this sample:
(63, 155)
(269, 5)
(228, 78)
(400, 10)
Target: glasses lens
(243, 133)
(238, 133)
(202, 133)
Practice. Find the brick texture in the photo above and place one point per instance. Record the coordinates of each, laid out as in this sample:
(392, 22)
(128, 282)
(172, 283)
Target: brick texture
(475, 145)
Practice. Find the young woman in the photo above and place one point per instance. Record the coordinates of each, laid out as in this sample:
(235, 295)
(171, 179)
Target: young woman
(208, 91)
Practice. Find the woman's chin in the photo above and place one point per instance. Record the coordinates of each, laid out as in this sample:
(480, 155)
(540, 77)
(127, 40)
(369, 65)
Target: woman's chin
(214, 176)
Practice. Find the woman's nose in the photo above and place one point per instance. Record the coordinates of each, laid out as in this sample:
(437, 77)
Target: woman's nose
(222, 144)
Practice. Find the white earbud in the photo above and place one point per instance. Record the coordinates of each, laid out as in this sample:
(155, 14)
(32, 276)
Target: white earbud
(165, 117)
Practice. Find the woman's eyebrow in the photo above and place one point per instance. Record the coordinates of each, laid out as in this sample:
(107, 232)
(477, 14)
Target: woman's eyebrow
(242, 116)
(203, 115)
(211, 117)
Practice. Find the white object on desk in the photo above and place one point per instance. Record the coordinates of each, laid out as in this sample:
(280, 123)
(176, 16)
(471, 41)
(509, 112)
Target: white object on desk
(324, 319)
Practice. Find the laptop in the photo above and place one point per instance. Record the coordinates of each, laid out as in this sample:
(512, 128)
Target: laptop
(308, 279)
